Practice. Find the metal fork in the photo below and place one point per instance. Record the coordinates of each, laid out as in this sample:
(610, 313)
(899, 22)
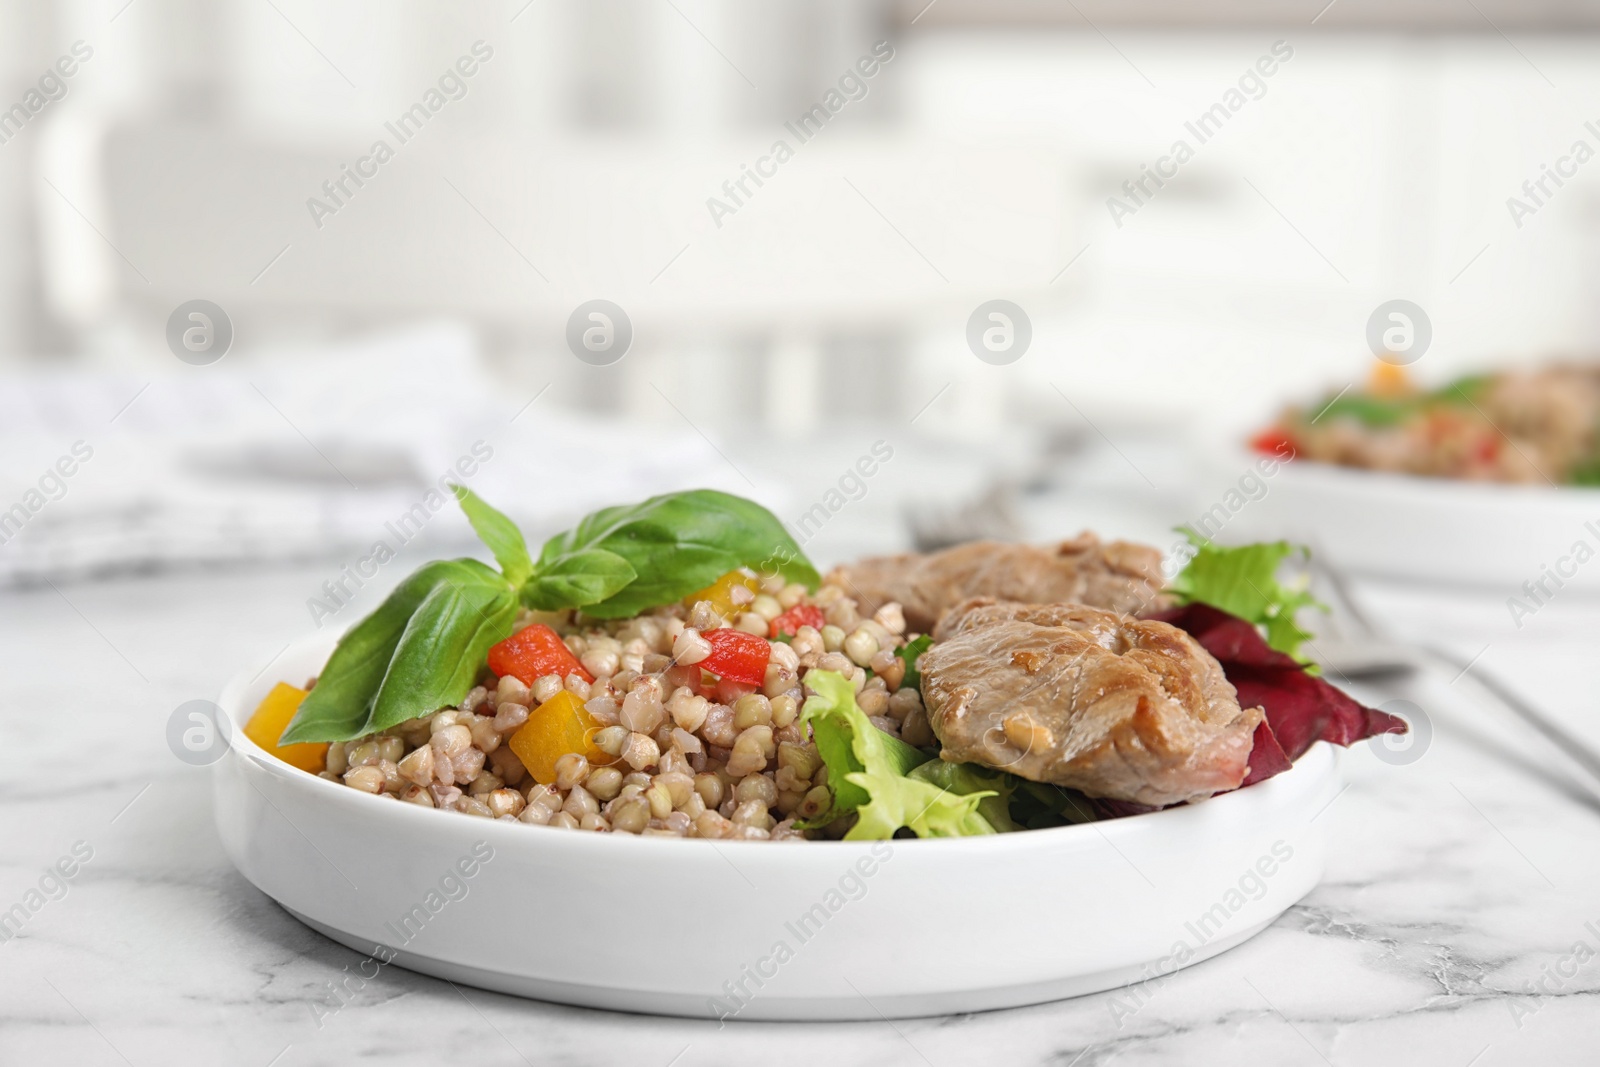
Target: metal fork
(1402, 657)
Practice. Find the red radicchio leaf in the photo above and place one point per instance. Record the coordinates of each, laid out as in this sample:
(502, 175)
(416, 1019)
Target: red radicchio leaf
(1301, 708)
(1267, 757)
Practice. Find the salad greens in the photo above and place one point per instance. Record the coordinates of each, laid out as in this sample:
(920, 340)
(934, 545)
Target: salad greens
(1587, 472)
(422, 648)
(1380, 411)
(909, 653)
(1373, 411)
(675, 544)
(582, 579)
(499, 533)
(870, 773)
(889, 784)
(1038, 805)
(966, 779)
(1243, 582)
(417, 653)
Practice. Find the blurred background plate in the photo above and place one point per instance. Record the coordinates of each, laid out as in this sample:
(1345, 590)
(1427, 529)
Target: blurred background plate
(1469, 534)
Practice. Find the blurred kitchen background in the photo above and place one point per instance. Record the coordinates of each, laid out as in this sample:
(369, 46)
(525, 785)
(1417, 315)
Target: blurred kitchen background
(778, 336)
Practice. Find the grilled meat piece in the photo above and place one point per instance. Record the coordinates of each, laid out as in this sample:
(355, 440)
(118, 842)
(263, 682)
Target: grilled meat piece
(1116, 707)
(1119, 576)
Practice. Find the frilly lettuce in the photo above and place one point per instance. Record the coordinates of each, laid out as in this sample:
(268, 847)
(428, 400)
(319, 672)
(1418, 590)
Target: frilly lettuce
(870, 773)
(1244, 582)
(969, 779)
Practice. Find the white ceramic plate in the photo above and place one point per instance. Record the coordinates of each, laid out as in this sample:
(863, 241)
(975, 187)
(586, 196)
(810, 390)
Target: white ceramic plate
(757, 930)
(1433, 529)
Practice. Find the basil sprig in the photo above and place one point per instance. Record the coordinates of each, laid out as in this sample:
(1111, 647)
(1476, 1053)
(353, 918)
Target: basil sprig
(421, 649)
(674, 544)
(497, 531)
(419, 652)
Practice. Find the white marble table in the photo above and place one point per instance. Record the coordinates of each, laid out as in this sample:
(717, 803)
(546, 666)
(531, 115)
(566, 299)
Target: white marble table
(1456, 882)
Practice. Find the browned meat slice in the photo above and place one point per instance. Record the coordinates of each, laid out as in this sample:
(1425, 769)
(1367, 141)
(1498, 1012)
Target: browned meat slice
(1119, 576)
(1117, 707)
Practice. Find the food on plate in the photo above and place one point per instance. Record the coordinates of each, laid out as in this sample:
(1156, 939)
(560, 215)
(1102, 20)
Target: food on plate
(1301, 707)
(1111, 705)
(266, 726)
(1243, 582)
(1118, 576)
(1531, 426)
(678, 668)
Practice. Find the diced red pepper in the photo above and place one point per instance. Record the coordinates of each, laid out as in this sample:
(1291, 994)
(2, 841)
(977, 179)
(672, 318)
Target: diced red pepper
(532, 653)
(789, 622)
(1274, 441)
(737, 656)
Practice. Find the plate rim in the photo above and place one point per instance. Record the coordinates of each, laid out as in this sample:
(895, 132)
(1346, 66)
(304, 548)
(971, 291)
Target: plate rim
(1460, 489)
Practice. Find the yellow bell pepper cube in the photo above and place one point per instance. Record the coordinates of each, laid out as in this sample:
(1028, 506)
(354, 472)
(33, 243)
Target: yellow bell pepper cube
(720, 592)
(272, 717)
(558, 726)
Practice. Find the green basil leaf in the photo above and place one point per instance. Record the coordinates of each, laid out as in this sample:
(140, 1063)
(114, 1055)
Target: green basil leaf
(682, 542)
(1467, 390)
(1370, 410)
(585, 577)
(344, 704)
(499, 533)
(337, 708)
(443, 647)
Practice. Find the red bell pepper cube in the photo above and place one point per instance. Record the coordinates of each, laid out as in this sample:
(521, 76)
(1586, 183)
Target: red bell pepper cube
(532, 653)
(789, 622)
(1274, 441)
(737, 656)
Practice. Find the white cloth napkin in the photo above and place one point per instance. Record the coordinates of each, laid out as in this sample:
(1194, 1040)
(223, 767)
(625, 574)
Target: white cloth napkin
(309, 455)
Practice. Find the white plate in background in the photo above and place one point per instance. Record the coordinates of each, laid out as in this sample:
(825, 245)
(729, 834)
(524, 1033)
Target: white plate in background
(1482, 535)
(905, 927)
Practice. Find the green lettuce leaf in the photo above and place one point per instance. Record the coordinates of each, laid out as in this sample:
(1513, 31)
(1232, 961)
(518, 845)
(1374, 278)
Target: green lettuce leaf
(965, 779)
(1039, 805)
(1243, 581)
(868, 773)
(909, 653)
